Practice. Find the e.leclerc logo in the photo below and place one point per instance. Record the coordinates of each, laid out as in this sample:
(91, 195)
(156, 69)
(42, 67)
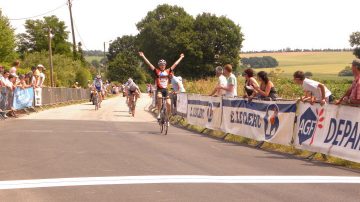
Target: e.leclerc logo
(271, 121)
(309, 122)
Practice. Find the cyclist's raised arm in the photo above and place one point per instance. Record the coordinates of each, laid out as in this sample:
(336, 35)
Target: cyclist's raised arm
(178, 61)
(146, 61)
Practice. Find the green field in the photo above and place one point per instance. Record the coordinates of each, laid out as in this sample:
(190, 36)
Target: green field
(324, 65)
(91, 58)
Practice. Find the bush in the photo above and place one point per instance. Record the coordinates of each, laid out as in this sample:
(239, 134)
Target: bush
(65, 68)
(346, 72)
(82, 76)
(308, 74)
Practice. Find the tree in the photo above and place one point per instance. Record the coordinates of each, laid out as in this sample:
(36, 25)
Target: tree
(35, 39)
(219, 39)
(355, 42)
(126, 65)
(124, 44)
(7, 40)
(165, 33)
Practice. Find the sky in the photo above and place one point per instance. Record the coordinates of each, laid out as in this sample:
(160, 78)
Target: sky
(266, 24)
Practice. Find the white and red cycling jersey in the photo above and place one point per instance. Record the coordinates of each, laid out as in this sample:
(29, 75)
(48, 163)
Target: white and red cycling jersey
(162, 78)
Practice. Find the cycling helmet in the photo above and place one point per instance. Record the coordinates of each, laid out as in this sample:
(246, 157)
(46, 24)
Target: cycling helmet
(162, 62)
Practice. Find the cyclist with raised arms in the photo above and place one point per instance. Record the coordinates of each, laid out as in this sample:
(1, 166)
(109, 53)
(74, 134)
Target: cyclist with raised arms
(162, 80)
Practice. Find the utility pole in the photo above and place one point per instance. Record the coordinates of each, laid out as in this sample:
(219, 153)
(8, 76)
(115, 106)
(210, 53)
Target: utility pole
(72, 29)
(105, 69)
(50, 59)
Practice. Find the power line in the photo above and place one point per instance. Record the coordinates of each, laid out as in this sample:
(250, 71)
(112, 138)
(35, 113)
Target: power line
(81, 39)
(35, 16)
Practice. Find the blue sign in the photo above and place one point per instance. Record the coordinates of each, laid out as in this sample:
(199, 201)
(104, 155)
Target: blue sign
(23, 98)
(307, 126)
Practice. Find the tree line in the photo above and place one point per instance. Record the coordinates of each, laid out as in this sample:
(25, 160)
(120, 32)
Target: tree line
(206, 40)
(260, 62)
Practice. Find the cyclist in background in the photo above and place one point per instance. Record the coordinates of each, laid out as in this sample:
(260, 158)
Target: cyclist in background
(133, 92)
(162, 80)
(98, 86)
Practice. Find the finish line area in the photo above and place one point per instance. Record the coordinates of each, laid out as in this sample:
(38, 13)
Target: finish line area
(175, 179)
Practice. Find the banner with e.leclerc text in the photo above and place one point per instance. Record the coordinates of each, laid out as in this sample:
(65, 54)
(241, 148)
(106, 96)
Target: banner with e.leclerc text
(270, 121)
(204, 111)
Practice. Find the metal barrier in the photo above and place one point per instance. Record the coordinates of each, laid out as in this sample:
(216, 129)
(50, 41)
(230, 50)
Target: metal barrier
(60, 95)
(49, 96)
(4, 98)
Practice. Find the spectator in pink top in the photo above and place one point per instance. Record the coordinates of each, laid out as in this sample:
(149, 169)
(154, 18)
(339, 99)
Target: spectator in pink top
(352, 95)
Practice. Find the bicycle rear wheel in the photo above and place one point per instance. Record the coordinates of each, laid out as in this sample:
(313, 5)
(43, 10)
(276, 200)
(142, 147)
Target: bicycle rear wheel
(166, 127)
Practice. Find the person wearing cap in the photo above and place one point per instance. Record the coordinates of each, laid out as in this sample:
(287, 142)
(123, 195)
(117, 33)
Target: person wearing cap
(41, 69)
(162, 80)
(352, 95)
(222, 82)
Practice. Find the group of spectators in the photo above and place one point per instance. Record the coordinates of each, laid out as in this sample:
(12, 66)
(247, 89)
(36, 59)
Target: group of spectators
(262, 88)
(10, 80)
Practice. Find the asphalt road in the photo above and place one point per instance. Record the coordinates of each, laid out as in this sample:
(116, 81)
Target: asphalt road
(77, 141)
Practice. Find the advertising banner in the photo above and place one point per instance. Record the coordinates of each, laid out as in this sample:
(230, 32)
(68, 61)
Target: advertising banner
(330, 129)
(271, 121)
(38, 96)
(204, 111)
(181, 104)
(23, 98)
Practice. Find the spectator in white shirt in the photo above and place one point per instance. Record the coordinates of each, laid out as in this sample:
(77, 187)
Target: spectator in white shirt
(313, 90)
(41, 69)
(222, 82)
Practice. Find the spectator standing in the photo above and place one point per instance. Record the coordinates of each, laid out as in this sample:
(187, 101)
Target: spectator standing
(250, 83)
(176, 83)
(76, 85)
(231, 87)
(266, 90)
(352, 95)
(313, 90)
(41, 69)
(22, 82)
(2, 76)
(222, 82)
(13, 69)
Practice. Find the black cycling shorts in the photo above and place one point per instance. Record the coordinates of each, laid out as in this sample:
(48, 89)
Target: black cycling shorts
(164, 92)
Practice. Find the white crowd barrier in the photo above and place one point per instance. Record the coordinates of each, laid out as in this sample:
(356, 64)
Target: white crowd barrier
(329, 129)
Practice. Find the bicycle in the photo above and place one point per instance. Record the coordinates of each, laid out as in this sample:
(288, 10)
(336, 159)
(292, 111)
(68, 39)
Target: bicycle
(164, 120)
(132, 103)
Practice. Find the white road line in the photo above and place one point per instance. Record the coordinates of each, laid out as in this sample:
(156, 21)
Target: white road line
(34, 131)
(91, 131)
(175, 179)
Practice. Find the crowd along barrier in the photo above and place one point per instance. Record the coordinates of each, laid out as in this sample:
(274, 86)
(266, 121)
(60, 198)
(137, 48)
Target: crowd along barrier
(329, 129)
(29, 97)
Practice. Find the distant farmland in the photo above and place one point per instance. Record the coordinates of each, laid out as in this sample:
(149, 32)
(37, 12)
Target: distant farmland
(325, 65)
